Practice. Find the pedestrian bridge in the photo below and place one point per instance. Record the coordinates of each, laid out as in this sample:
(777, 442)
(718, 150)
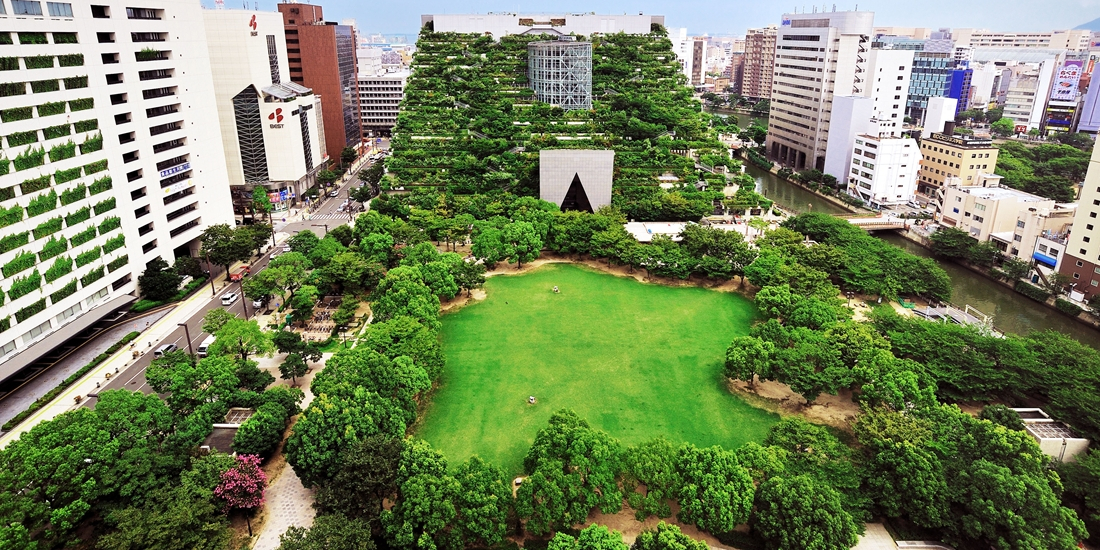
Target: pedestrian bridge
(880, 223)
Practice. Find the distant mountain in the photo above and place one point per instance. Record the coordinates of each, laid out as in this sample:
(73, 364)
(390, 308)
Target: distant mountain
(1093, 25)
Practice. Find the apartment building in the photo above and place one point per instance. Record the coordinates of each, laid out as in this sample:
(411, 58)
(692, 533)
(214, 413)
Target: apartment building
(108, 161)
(1082, 262)
(883, 170)
(270, 126)
(380, 96)
(759, 65)
(817, 55)
(321, 57)
(1040, 234)
(985, 208)
(946, 155)
(698, 54)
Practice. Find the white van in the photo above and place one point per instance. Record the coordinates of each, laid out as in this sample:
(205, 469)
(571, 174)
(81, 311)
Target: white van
(205, 345)
(229, 298)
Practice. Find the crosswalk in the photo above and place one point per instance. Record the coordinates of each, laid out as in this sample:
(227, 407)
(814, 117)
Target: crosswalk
(336, 216)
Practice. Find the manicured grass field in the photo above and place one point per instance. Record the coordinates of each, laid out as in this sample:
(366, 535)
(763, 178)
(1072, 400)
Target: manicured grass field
(636, 360)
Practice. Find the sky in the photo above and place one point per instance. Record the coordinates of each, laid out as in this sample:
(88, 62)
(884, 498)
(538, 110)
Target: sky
(723, 17)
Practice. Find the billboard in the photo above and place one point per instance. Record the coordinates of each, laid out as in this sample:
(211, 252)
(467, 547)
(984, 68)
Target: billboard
(1066, 81)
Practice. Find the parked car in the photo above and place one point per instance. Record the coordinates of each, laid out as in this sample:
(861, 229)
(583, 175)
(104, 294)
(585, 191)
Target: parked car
(166, 348)
(229, 298)
(334, 193)
(260, 302)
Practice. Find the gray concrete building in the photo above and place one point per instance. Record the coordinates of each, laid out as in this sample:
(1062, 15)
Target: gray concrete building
(576, 179)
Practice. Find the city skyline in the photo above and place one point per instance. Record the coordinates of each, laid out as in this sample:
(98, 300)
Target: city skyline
(700, 17)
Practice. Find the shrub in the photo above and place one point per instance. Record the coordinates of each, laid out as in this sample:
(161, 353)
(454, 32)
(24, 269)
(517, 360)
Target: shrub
(22, 138)
(42, 204)
(105, 206)
(65, 176)
(262, 432)
(79, 104)
(8, 89)
(54, 132)
(79, 216)
(5, 323)
(1032, 291)
(75, 83)
(97, 166)
(110, 224)
(12, 215)
(9, 63)
(35, 184)
(7, 193)
(25, 285)
(100, 185)
(93, 276)
(16, 113)
(63, 292)
(63, 151)
(64, 38)
(115, 264)
(33, 157)
(39, 61)
(51, 108)
(74, 194)
(5, 38)
(92, 143)
(114, 244)
(70, 60)
(88, 257)
(32, 38)
(83, 237)
(30, 311)
(86, 125)
(53, 247)
(11, 242)
(22, 262)
(47, 228)
(43, 86)
(63, 266)
(1067, 307)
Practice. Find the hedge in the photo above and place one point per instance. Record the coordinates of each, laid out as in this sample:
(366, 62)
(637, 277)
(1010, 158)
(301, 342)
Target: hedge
(38, 61)
(83, 237)
(1032, 291)
(110, 224)
(53, 247)
(64, 38)
(78, 216)
(143, 305)
(115, 264)
(5, 38)
(16, 114)
(32, 38)
(63, 266)
(91, 144)
(74, 194)
(114, 244)
(51, 108)
(34, 184)
(105, 205)
(63, 292)
(93, 276)
(75, 83)
(43, 86)
(9, 216)
(47, 228)
(42, 204)
(9, 63)
(79, 104)
(5, 323)
(63, 151)
(25, 285)
(8, 89)
(65, 176)
(72, 379)
(21, 263)
(100, 185)
(22, 138)
(89, 256)
(33, 157)
(70, 60)
(97, 166)
(11, 242)
(7, 193)
(30, 311)
(54, 132)
(86, 125)
(1068, 307)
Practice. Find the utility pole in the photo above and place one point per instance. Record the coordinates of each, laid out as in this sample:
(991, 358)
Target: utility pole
(187, 334)
(244, 300)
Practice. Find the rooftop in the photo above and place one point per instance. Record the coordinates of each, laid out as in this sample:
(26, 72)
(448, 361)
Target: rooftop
(1001, 193)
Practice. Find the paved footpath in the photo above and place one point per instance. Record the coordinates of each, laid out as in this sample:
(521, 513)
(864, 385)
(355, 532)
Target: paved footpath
(876, 537)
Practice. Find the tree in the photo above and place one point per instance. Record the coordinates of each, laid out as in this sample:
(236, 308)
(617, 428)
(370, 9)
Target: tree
(653, 464)
(1015, 269)
(717, 491)
(329, 532)
(1056, 283)
(468, 275)
(326, 177)
(221, 245)
(366, 476)
(483, 503)
(1003, 416)
(242, 486)
(489, 246)
(953, 243)
(191, 385)
(403, 292)
(802, 513)
(747, 357)
(304, 242)
(262, 432)
(303, 302)
(666, 537)
(215, 319)
(1079, 140)
(159, 282)
(593, 537)
(1003, 127)
(348, 155)
(241, 338)
(424, 512)
(405, 336)
(172, 518)
(188, 266)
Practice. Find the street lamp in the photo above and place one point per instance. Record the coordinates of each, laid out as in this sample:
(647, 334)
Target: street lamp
(187, 334)
(850, 294)
(210, 268)
(244, 300)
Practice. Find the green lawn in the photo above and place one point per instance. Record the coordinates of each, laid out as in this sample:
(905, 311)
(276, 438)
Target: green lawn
(636, 360)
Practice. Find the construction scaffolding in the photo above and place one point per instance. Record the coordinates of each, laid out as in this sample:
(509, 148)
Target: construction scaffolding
(560, 72)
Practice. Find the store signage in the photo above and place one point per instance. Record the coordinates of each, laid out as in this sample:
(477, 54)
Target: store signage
(177, 187)
(175, 169)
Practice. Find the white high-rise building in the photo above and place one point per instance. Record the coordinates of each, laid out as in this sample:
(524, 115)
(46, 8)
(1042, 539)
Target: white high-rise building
(109, 160)
(883, 170)
(1072, 40)
(817, 55)
(888, 85)
(380, 98)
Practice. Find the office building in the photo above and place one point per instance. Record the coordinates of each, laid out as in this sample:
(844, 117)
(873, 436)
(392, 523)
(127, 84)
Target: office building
(824, 54)
(576, 179)
(1040, 235)
(941, 111)
(1082, 263)
(1089, 117)
(985, 208)
(107, 111)
(1072, 40)
(504, 24)
(883, 170)
(931, 78)
(321, 56)
(851, 116)
(698, 61)
(756, 79)
(380, 98)
(946, 155)
(889, 73)
(270, 126)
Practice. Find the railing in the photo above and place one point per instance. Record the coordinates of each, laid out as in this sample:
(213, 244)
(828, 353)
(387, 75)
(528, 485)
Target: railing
(184, 227)
(173, 215)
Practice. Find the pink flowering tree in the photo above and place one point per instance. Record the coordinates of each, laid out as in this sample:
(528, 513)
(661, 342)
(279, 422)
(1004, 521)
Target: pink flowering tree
(242, 486)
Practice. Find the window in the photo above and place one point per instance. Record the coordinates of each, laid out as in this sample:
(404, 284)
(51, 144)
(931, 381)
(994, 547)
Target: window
(36, 332)
(61, 317)
(1020, 223)
(1080, 263)
(1093, 283)
(96, 297)
(1018, 238)
(955, 210)
(24, 7)
(1042, 248)
(1089, 227)
(10, 347)
(1076, 276)
(59, 9)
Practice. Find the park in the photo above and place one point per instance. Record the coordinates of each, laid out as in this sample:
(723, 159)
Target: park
(637, 360)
